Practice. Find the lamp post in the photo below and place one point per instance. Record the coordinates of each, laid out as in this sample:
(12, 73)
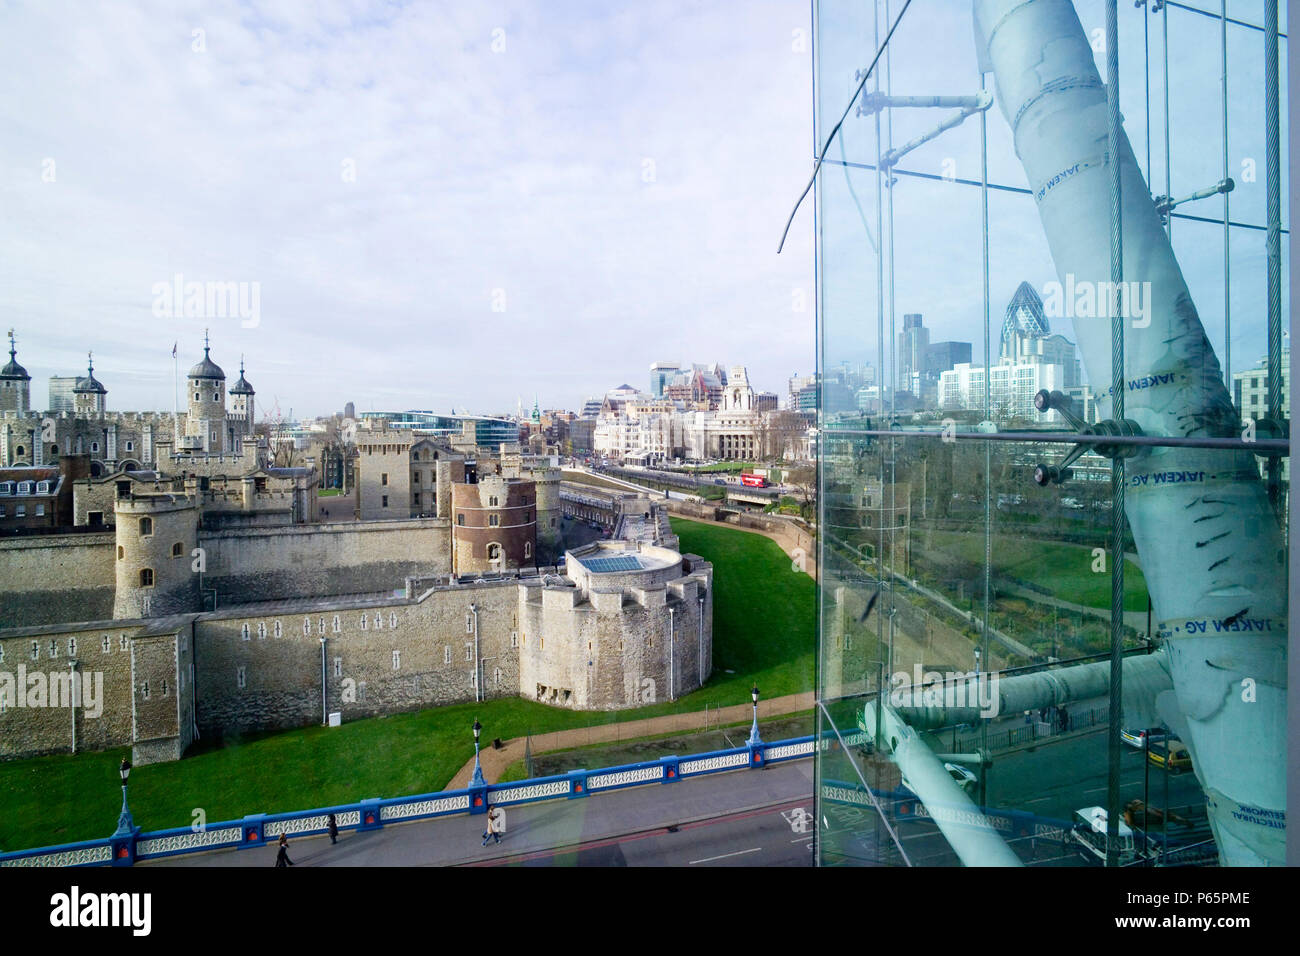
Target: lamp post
(125, 825)
(754, 740)
(476, 780)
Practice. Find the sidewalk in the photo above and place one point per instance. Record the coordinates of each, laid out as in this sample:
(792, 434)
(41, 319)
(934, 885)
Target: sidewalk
(494, 762)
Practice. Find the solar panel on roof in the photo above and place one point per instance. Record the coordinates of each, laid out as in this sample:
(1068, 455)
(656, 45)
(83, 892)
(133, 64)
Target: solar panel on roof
(606, 565)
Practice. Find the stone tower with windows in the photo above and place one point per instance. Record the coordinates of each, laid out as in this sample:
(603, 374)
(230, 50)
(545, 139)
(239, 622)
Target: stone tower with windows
(89, 397)
(241, 410)
(205, 425)
(15, 383)
(156, 536)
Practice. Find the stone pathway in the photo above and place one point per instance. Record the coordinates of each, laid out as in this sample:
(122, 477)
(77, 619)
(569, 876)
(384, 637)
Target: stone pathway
(494, 762)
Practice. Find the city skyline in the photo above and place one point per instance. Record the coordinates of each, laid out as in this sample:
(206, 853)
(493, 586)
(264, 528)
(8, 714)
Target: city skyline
(449, 206)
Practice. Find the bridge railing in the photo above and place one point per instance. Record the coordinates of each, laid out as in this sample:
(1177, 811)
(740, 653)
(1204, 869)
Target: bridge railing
(259, 829)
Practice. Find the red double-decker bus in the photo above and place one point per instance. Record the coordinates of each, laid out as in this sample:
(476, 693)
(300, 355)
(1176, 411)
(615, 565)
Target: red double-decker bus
(753, 481)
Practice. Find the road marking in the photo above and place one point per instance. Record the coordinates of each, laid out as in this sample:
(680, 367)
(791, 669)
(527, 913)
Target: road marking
(1102, 789)
(803, 839)
(710, 859)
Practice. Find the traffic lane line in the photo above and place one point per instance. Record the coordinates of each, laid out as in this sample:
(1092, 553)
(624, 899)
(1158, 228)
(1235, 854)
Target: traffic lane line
(724, 856)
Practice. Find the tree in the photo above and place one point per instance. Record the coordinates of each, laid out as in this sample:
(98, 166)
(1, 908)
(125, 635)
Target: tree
(803, 479)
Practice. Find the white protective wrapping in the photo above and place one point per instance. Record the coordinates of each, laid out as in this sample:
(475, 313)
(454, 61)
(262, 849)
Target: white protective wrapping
(1209, 544)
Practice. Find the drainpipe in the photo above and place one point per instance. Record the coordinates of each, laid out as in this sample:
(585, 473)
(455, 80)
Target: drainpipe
(1208, 540)
(73, 708)
(324, 686)
(478, 683)
(701, 626)
(672, 694)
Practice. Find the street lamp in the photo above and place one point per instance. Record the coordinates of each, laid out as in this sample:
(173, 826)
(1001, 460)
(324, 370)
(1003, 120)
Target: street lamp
(754, 740)
(125, 825)
(477, 780)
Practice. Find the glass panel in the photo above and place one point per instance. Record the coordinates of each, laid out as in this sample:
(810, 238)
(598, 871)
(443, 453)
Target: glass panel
(967, 549)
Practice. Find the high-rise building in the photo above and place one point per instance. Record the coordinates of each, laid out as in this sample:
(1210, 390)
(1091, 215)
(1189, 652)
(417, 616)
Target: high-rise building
(61, 393)
(942, 356)
(661, 375)
(913, 348)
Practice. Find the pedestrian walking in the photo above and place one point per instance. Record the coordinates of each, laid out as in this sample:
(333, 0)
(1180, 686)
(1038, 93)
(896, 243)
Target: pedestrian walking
(496, 825)
(334, 829)
(282, 858)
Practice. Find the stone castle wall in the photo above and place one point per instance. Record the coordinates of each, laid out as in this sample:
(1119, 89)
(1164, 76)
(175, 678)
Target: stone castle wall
(48, 579)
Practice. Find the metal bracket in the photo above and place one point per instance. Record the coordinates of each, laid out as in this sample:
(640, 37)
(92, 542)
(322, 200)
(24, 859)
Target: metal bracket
(1090, 438)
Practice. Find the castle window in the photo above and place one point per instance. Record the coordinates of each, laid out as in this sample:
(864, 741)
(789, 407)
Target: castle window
(528, 549)
(144, 690)
(2, 653)
(494, 552)
(36, 650)
(244, 632)
(469, 651)
(337, 624)
(164, 688)
(493, 521)
(54, 648)
(106, 645)
(365, 623)
(146, 527)
(146, 577)
(121, 552)
(392, 619)
(94, 446)
(261, 630)
(178, 549)
(130, 446)
(306, 627)
(320, 625)
(383, 478)
(122, 644)
(460, 520)
(379, 621)
(72, 647)
(446, 654)
(338, 667)
(492, 501)
(415, 456)
(496, 675)
(469, 623)
(277, 629)
(514, 638)
(385, 503)
(21, 450)
(196, 398)
(552, 522)
(241, 677)
(216, 396)
(397, 660)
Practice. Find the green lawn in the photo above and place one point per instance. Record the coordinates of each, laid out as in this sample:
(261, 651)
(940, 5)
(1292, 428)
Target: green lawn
(328, 492)
(763, 632)
(1064, 569)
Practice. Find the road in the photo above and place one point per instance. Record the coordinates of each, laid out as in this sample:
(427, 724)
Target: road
(714, 816)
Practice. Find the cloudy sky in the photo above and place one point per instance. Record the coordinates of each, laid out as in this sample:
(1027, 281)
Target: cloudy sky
(441, 204)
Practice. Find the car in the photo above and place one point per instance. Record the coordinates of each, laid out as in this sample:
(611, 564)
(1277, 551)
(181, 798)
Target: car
(1170, 752)
(1089, 831)
(965, 779)
(1138, 738)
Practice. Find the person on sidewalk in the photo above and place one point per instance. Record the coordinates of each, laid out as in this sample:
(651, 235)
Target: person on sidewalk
(496, 825)
(334, 829)
(282, 858)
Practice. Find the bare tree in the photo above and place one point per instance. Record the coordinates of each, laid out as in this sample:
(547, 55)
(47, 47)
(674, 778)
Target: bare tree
(803, 479)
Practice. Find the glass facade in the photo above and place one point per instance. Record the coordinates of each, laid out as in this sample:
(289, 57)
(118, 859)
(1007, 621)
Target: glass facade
(1053, 578)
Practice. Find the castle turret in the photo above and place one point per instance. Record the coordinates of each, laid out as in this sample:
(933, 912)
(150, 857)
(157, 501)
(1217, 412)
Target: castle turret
(547, 482)
(89, 397)
(494, 526)
(205, 426)
(15, 383)
(156, 538)
(241, 410)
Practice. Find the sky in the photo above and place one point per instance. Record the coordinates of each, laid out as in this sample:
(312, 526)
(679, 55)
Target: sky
(428, 205)
(937, 261)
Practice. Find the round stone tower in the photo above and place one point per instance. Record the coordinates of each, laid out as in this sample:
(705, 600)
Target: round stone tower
(156, 537)
(89, 397)
(15, 383)
(547, 481)
(205, 426)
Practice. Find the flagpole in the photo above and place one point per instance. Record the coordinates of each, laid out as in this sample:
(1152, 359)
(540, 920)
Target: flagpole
(176, 405)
